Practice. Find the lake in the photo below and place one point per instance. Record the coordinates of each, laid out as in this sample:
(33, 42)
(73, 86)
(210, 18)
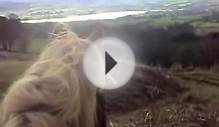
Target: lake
(99, 16)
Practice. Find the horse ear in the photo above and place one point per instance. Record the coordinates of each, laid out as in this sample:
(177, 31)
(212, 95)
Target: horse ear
(97, 33)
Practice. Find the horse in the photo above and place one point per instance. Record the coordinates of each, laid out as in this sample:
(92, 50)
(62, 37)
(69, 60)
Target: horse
(53, 92)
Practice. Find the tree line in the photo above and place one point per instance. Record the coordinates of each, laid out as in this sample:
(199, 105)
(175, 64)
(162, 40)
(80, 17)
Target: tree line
(154, 45)
(172, 44)
(13, 35)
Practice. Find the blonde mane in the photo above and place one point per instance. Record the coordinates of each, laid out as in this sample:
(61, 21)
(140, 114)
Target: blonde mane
(53, 91)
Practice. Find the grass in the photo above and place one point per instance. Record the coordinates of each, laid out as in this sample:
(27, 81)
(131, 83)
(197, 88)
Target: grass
(37, 45)
(197, 108)
(205, 92)
(203, 83)
(11, 71)
(210, 25)
(164, 21)
(205, 27)
(181, 113)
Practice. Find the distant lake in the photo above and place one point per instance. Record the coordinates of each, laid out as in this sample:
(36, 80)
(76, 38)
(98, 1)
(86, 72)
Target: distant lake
(99, 16)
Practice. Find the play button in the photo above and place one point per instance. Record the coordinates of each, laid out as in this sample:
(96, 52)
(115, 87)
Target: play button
(109, 63)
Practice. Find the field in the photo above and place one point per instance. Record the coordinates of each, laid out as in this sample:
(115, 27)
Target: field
(11, 70)
(198, 107)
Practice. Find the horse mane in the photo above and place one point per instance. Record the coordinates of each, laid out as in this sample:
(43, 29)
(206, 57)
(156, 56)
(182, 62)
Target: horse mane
(53, 91)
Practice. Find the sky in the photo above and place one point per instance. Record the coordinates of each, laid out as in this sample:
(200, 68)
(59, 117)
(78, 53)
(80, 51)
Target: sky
(79, 0)
(87, 2)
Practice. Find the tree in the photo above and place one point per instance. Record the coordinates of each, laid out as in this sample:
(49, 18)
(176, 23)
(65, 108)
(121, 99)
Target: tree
(12, 32)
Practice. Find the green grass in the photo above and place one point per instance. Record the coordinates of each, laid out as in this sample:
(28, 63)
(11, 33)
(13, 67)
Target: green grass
(173, 1)
(203, 84)
(205, 27)
(10, 71)
(37, 45)
(210, 25)
(205, 91)
(164, 21)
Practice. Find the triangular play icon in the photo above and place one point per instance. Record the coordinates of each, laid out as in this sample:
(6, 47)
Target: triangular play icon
(109, 63)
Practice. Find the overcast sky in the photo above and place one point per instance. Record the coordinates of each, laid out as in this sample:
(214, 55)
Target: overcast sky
(75, 0)
(88, 2)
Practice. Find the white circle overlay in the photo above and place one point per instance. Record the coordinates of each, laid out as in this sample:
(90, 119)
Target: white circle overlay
(94, 63)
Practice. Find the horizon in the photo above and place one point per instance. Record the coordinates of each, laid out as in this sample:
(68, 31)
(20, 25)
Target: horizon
(85, 1)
